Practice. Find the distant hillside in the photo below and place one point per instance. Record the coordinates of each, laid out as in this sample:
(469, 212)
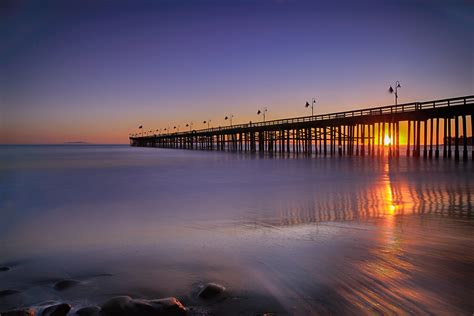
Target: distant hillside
(77, 143)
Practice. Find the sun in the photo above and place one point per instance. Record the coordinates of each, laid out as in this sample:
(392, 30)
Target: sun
(387, 140)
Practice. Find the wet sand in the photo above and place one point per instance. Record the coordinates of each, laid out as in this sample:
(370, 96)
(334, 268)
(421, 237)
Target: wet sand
(290, 236)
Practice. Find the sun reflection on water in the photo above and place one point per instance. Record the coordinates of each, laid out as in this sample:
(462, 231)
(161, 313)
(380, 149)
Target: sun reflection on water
(386, 282)
(387, 279)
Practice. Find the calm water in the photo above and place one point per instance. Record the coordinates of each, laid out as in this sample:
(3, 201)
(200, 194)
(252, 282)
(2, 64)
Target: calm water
(293, 236)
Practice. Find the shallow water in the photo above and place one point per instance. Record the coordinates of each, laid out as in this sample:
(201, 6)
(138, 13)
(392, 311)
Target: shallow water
(284, 235)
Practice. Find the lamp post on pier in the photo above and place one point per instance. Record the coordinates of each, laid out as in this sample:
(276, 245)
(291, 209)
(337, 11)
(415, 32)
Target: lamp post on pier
(230, 117)
(262, 113)
(313, 102)
(391, 90)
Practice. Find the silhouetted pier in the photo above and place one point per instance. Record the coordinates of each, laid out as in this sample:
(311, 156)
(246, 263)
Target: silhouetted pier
(433, 128)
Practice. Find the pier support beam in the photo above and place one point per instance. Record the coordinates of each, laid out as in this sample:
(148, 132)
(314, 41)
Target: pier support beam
(456, 138)
(464, 131)
(437, 138)
(397, 138)
(472, 136)
(430, 154)
(408, 138)
(445, 138)
(362, 148)
(449, 137)
(418, 138)
(325, 142)
(425, 139)
(339, 140)
(373, 139)
(383, 139)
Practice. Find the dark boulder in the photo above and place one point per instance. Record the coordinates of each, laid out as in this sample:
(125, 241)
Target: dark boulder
(4, 269)
(211, 290)
(57, 310)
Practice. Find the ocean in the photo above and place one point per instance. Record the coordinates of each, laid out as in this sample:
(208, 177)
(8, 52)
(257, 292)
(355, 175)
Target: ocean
(284, 235)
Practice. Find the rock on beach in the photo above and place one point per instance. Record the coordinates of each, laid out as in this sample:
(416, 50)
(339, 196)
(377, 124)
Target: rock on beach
(211, 290)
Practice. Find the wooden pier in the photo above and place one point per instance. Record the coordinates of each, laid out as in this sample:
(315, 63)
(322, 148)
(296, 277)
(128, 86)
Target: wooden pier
(433, 129)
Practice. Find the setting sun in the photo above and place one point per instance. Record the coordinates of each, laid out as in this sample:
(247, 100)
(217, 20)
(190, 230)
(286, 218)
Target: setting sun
(387, 140)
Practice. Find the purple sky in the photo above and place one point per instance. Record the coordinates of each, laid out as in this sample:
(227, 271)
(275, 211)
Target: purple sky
(95, 70)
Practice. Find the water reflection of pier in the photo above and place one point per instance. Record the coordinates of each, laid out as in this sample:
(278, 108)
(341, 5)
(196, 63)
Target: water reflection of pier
(391, 195)
(433, 129)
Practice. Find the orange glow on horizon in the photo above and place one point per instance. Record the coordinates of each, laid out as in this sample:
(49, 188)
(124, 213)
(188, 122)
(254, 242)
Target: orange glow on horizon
(116, 129)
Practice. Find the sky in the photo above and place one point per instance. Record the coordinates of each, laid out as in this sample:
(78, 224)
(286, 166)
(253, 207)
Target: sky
(94, 71)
